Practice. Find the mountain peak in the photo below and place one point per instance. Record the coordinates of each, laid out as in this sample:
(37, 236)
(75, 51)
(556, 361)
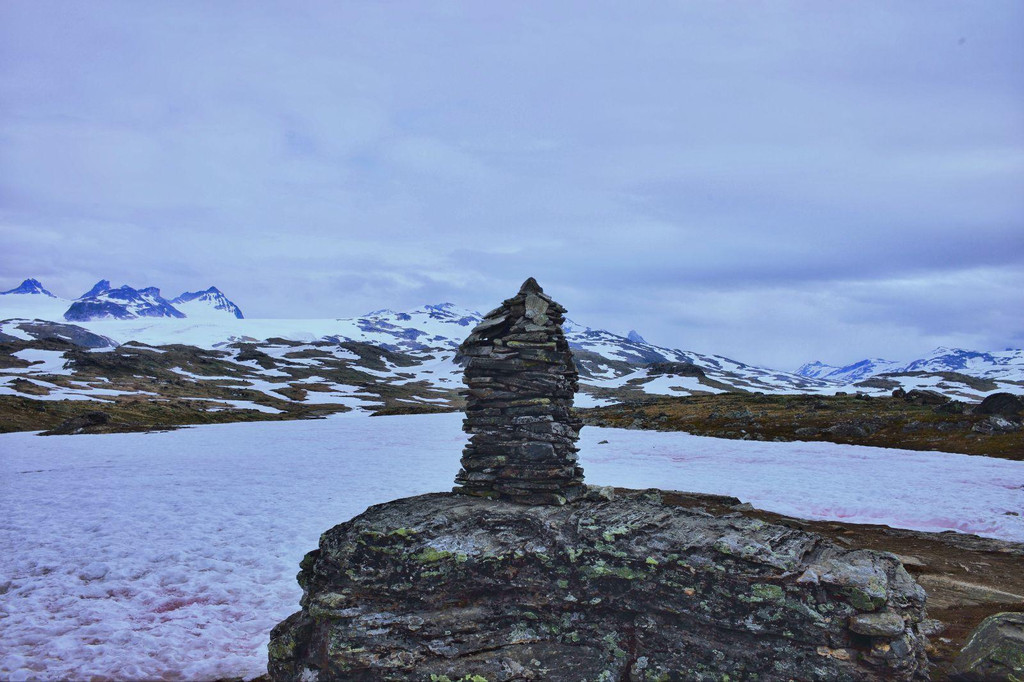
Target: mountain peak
(212, 301)
(97, 289)
(30, 286)
(635, 337)
(123, 303)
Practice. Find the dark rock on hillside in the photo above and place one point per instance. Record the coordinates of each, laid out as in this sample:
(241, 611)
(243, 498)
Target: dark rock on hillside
(954, 407)
(604, 588)
(994, 652)
(924, 397)
(880, 382)
(55, 331)
(682, 369)
(83, 423)
(1005, 404)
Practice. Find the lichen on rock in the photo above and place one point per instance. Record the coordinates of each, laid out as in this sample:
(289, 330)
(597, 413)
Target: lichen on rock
(629, 588)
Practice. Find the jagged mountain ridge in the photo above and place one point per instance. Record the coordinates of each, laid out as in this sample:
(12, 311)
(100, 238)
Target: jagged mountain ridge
(1007, 364)
(103, 302)
(206, 303)
(603, 357)
(123, 303)
(850, 373)
(609, 363)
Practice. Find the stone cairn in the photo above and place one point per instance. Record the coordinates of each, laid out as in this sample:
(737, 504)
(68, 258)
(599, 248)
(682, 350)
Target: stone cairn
(521, 380)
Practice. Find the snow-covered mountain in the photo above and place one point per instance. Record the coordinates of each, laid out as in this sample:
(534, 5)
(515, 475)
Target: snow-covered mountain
(211, 303)
(609, 363)
(1006, 365)
(994, 365)
(123, 303)
(603, 357)
(31, 300)
(29, 286)
(850, 373)
(816, 369)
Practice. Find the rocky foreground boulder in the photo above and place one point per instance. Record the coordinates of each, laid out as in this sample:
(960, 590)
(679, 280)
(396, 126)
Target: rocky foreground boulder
(995, 651)
(453, 587)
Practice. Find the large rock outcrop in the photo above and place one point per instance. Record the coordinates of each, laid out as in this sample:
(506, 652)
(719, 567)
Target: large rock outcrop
(447, 586)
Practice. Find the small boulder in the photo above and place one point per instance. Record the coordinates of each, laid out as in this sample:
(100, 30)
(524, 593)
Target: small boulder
(1005, 404)
(83, 423)
(994, 651)
(920, 396)
(679, 369)
(953, 407)
(847, 430)
(996, 424)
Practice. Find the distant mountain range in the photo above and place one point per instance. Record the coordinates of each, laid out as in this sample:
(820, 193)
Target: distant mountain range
(854, 372)
(610, 364)
(1008, 363)
(104, 302)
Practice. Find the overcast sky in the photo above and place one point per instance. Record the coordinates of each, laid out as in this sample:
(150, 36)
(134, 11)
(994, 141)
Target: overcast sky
(773, 181)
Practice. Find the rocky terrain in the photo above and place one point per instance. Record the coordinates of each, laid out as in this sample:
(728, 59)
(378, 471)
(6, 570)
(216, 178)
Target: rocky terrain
(616, 586)
(60, 377)
(51, 372)
(915, 420)
(966, 578)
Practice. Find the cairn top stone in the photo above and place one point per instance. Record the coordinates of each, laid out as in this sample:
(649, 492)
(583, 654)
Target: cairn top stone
(530, 286)
(521, 380)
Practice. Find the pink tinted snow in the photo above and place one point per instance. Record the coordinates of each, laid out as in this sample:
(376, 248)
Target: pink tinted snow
(171, 555)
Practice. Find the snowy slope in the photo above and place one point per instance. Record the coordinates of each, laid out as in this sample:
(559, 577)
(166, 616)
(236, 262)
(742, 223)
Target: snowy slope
(209, 304)
(444, 326)
(172, 555)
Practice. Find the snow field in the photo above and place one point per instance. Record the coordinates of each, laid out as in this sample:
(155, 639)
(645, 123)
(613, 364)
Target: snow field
(172, 555)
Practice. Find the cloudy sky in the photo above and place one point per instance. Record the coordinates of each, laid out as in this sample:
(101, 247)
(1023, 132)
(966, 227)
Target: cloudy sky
(773, 181)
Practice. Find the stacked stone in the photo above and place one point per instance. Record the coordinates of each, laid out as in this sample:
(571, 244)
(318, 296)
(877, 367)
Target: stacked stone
(521, 380)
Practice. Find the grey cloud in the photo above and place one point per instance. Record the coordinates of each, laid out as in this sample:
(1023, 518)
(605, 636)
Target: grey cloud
(773, 181)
